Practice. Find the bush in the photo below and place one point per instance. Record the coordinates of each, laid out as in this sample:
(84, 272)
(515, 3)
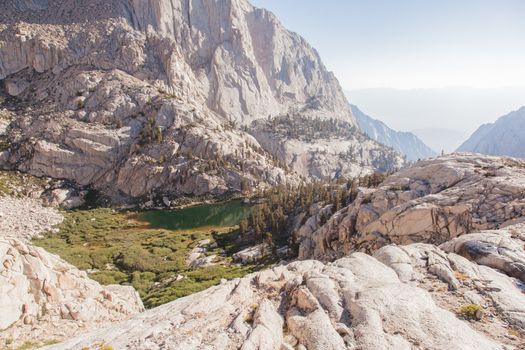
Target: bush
(471, 312)
(109, 277)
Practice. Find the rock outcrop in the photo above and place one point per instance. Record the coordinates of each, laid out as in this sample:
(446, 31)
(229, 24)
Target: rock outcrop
(404, 298)
(505, 137)
(406, 143)
(45, 298)
(139, 99)
(42, 297)
(324, 149)
(432, 201)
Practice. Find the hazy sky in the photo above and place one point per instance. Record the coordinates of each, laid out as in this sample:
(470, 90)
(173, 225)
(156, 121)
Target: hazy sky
(412, 43)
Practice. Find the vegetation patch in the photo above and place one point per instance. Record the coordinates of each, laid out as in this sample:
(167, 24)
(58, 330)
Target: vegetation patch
(272, 221)
(471, 312)
(117, 248)
(9, 344)
(17, 184)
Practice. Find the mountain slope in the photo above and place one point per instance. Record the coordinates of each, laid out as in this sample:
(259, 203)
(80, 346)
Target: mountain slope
(505, 137)
(148, 99)
(405, 142)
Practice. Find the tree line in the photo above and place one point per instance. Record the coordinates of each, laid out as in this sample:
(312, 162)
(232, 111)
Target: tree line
(272, 221)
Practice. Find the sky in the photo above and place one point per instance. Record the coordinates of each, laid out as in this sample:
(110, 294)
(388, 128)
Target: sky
(407, 44)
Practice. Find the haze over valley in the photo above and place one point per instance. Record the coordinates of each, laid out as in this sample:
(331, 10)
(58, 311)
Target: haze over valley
(443, 117)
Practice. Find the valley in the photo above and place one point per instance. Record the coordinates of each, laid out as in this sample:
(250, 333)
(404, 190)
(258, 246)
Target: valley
(149, 250)
(188, 174)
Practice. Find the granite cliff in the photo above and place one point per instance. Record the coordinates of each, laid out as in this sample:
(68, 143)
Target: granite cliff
(143, 98)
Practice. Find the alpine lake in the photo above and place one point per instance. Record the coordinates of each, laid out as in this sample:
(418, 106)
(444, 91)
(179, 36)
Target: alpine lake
(149, 250)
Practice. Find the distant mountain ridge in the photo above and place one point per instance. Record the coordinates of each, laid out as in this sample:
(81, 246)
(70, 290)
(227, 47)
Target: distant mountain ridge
(505, 137)
(405, 142)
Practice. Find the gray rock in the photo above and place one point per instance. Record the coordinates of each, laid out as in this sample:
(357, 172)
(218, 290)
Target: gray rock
(43, 297)
(15, 87)
(169, 85)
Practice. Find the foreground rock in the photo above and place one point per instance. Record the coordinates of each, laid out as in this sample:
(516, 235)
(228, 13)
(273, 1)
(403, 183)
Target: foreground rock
(433, 201)
(499, 249)
(43, 298)
(409, 301)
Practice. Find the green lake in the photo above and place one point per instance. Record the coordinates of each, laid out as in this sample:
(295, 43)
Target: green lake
(225, 214)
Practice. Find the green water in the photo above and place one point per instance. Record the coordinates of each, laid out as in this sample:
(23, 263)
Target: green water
(218, 215)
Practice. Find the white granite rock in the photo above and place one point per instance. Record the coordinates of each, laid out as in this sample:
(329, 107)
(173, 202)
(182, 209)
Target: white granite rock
(150, 98)
(354, 302)
(432, 201)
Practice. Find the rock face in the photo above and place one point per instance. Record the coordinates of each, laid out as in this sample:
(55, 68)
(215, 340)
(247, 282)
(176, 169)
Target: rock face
(148, 98)
(432, 201)
(498, 249)
(246, 62)
(403, 298)
(404, 142)
(41, 296)
(323, 149)
(505, 137)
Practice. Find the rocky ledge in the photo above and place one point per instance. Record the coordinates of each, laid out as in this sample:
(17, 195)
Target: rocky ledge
(433, 201)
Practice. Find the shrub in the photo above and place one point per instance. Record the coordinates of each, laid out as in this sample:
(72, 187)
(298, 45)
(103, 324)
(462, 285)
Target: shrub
(109, 277)
(471, 311)
(27, 345)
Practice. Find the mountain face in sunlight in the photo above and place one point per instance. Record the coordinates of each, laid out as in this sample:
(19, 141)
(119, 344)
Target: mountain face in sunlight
(505, 137)
(153, 99)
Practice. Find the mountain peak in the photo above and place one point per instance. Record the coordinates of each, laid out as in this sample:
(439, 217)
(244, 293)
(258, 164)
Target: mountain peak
(504, 137)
